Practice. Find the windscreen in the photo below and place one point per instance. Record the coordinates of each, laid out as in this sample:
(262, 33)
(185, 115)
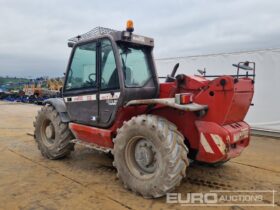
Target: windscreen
(135, 65)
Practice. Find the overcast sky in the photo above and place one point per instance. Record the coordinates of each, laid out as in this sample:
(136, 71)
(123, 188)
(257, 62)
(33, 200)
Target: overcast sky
(34, 33)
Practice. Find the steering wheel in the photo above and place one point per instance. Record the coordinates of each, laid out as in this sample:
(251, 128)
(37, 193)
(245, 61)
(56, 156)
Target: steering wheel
(90, 79)
(93, 81)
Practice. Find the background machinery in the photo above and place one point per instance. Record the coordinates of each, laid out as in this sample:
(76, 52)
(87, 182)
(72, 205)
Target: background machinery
(31, 90)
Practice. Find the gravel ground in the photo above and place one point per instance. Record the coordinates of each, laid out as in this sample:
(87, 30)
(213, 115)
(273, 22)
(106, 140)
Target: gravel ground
(87, 180)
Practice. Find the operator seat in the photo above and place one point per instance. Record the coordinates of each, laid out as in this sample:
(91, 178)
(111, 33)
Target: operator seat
(127, 75)
(114, 79)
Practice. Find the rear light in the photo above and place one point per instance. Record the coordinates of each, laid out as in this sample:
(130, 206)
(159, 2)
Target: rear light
(184, 98)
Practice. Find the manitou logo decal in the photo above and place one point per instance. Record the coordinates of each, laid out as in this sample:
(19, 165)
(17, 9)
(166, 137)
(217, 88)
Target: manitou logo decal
(224, 198)
(138, 38)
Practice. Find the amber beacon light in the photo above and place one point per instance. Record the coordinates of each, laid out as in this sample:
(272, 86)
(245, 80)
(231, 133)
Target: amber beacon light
(129, 26)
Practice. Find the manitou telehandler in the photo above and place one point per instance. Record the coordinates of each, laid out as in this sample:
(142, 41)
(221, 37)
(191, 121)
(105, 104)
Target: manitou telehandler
(113, 101)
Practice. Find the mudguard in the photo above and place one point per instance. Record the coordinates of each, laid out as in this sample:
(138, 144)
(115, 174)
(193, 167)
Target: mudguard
(60, 107)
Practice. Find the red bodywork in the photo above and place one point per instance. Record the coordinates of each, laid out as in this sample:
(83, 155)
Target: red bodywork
(218, 135)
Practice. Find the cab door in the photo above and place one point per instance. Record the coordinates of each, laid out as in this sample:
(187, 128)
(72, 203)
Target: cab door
(109, 83)
(80, 91)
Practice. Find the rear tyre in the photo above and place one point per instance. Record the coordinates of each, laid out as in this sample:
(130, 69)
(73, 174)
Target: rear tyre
(150, 156)
(51, 134)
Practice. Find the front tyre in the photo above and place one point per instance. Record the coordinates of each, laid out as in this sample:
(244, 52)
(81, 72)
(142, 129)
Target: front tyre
(150, 156)
(51, 134)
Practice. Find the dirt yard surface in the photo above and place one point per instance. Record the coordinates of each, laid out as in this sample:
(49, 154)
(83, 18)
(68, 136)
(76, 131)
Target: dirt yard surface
(87, 179)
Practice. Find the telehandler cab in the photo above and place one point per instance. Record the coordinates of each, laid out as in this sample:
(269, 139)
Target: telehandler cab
(113, 101)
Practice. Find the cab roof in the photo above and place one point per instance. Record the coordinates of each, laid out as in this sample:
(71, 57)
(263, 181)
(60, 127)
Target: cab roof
(118, 36)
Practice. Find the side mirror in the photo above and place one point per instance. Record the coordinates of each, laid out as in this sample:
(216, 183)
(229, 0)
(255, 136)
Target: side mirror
(171, 78)
(243, 65)
(71, 44)
(202, 72)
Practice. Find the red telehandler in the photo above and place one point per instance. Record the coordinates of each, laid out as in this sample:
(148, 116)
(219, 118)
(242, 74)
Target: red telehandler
(113, 101)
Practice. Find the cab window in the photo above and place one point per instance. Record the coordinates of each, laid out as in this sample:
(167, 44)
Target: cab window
(82, 72)
(109, 73)
(135, 66)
